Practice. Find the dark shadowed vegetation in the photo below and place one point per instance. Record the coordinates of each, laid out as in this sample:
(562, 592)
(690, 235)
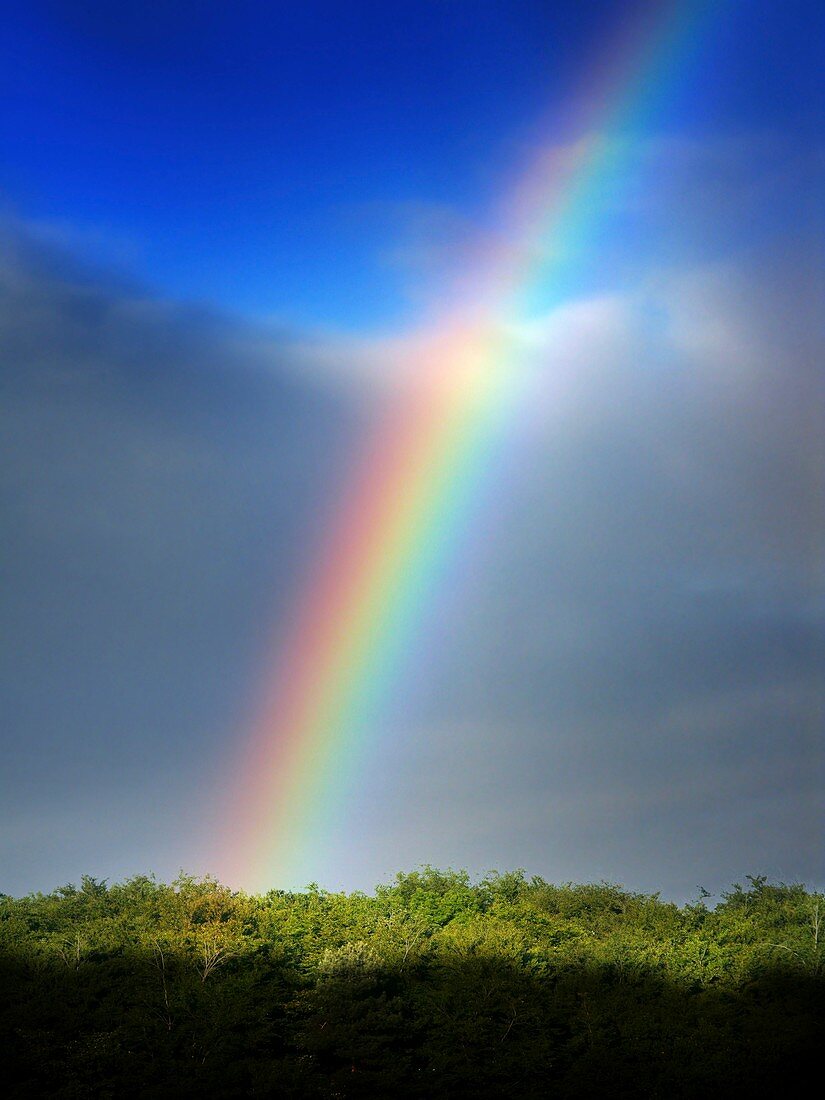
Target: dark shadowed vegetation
(436, 986)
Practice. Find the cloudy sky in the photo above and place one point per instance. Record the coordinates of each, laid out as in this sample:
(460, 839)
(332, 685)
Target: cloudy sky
(221, 231)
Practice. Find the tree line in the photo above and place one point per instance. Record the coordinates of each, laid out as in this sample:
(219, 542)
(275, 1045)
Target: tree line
(433, 986)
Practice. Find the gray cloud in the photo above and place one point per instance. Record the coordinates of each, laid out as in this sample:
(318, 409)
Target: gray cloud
(162, 466)
(622, 672)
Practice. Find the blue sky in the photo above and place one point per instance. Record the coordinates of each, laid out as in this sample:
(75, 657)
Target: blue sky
(219, 228)
(264, 156)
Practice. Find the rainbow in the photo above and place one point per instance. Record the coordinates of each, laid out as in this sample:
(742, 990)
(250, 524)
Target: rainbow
(419, 479)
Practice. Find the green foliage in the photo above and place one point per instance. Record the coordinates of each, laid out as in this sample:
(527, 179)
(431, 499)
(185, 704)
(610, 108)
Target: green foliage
(436, 986)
